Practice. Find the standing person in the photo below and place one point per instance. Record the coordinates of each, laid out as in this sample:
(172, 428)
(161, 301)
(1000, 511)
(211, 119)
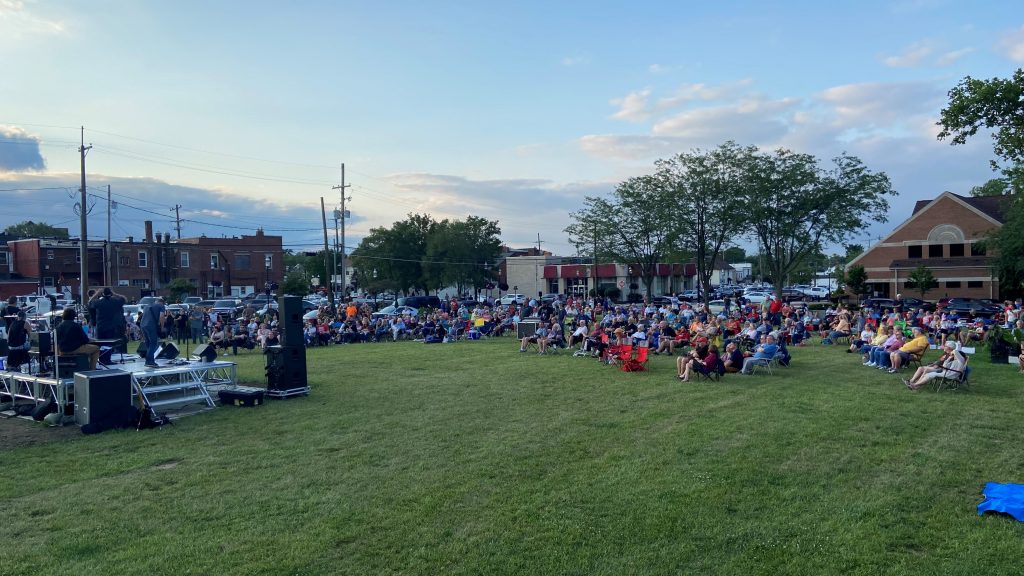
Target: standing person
(10, 311)
(181, 329)
(108, 315)
(196, 318)
(152, 320)
(19, 340)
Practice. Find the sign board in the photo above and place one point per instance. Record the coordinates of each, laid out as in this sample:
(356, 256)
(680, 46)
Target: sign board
(622, 283)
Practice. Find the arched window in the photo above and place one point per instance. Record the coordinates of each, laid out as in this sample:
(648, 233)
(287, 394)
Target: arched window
(946, 234)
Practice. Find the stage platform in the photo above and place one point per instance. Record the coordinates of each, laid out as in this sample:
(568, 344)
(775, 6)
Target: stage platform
(175, 383)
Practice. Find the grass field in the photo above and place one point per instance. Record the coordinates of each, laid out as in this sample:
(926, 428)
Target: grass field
(472, 458)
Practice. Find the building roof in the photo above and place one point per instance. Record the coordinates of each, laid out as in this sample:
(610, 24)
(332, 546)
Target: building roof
(968, 262)
(992, 206)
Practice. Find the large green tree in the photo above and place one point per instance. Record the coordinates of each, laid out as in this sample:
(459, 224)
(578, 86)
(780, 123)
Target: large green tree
(705, 188)
(922, 279)
(635, 225)
(795, 206)
(32, 229)
(996, 105)
(462, 253)
(397, 253)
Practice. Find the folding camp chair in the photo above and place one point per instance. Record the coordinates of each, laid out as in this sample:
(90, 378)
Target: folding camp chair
(638, 364)
(766, 364)
(955, 379)
(623, 353)
(715, 374)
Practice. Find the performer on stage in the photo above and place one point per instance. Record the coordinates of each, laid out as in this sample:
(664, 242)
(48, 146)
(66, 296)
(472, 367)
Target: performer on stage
(19, 340)
(71, 338)
(152, 321)
(108, 313)
(10, 312)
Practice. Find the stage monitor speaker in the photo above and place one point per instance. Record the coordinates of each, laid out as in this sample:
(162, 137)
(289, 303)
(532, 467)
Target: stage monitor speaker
(101, 394)
(205, 352)
(67, 366)
(167, 351)
(286, 367)
(290, 318)
(44, 343)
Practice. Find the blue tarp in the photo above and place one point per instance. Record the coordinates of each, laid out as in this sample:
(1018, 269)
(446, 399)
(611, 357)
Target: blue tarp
(1005, 498)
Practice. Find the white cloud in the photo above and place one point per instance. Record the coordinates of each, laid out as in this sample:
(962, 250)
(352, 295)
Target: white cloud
(658, 69)
(16, 19)
(695, 92)
(912, 56)
(951, 57)
(633, 107)
(570, 61)
(874, 105)
(1011, 45)
(753, 120)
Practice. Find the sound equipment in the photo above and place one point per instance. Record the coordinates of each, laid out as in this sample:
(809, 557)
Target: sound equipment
(101, 394)
(167, 351)
(241, 396)
(526, 328)
(205, 353)
(42, 409)
(44, 342)
(105, 356)
(141, 350)
(286, 370)
(290, 318)
(67, 366)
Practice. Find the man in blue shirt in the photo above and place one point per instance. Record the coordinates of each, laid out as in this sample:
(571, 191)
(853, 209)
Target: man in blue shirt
(763, 352)
(152, 320)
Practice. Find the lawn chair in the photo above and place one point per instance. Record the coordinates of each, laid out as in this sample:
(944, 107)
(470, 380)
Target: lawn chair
(955, 379)
(766, 364)
(623, 353)
(638, 364)
(715, 374)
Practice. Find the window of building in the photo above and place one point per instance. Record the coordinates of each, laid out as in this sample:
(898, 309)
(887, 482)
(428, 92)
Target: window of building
(974, 283)
(954, 284)
(935, 250)
(78, 257)
(268, 261)
(3, 259)
(184, 259)
(914, 251)
(48, 281)
(956, 250)
(242, 261)
(123, 261)
(143, 259)
(140, 283)
(49, 254)
(214, 261)
(977, 249)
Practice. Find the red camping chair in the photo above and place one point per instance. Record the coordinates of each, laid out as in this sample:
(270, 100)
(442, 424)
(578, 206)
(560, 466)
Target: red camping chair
(622, 355)
(638, 364)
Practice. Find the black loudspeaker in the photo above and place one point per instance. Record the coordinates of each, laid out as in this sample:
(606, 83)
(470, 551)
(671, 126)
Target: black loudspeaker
(101, 394)
(105, 356)
(205, 353)
(44, 342)
(286, 367)
(68, 365)
(524, 329)
(167, 351)
(290, 318)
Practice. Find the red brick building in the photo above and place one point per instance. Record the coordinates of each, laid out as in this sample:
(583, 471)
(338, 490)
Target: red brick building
(943, 235)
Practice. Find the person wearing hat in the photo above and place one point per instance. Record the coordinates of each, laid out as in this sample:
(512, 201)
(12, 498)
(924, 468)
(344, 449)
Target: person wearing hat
(949, 365)
(914, 347)
(152, 320)
(108, 314)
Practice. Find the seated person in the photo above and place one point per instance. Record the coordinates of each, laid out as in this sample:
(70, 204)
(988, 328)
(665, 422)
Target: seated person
(764, 352)
(949, 365)
(693, 362)
(19, 341)
(218, 337)
(866, 336)
(239, 338)
(579, 335)
(667, 339)
(733, 358)
(273, 339)
(71, 339)
(915, 347)
(540, 334)
(554, 338)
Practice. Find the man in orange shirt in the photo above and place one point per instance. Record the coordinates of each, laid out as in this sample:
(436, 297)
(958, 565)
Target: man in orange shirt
(351, 311)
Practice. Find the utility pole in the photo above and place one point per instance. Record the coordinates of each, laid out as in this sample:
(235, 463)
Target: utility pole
(538, 243)
(344, 288)
(83, 251)
(110, 265)
(330, 291)
(177, 219)
(595, 262)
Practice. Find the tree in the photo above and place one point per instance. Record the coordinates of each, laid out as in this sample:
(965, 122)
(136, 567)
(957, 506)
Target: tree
(922, 279)
(706, 190)
(295, 282)
(635, 225)
(997, 105)
(32, 229)
(734, 254)
(857, 280)
(462, 253)
(795, 207)
(1007, 245)
(178, 289)
(397, 253)
(852, 251)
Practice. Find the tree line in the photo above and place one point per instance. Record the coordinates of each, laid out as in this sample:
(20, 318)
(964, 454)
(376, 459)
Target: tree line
(698, 203)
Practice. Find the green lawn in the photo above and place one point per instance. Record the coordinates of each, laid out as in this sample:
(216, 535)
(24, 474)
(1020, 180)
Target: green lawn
(472, 458)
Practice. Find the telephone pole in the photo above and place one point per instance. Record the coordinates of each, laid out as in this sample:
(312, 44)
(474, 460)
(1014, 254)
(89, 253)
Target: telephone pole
(342, 187)
(107, 249)
(330, 291)
(83, 252)
(177, 219)
(538, 243)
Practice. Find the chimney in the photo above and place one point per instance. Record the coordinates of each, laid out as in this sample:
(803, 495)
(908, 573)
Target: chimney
(149, 231)
(167, 237)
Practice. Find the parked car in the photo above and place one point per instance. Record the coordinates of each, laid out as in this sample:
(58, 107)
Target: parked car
(146, 301)
(419, 302)
(689, 295)
(965, 306)
(661, 300)
(755, 297)
(389, 311)
(791, 295)
(917, 303)
(131, 310)
(512, 299)
(716, 306)
(261, 300)
(225, 306)
(878, 303)
(815, 292)
(552, 298)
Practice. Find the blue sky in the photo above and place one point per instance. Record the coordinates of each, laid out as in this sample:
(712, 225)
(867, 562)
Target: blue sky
(242, 112)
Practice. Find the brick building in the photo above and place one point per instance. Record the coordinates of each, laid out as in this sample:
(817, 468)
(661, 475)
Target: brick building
(943, 235)
(213, 266)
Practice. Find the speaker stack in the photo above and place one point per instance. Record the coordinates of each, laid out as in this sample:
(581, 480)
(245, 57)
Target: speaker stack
(101, 395)
(286, 364)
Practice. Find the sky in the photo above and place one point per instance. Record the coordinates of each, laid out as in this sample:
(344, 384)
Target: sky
(242, 112)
